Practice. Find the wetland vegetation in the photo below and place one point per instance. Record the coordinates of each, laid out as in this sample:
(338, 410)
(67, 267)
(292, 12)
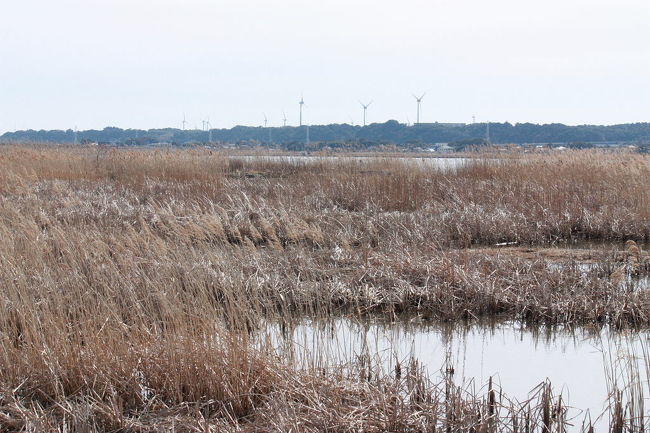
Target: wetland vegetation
(137, 285)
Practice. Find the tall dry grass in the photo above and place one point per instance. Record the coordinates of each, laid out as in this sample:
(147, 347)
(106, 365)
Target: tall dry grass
(132, 279)
(268, 238)
(525, 198)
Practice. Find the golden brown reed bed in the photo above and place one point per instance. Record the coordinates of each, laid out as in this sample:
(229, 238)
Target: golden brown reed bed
(533, 198)
(132, 278)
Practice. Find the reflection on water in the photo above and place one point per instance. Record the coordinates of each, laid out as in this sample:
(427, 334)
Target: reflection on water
(579, 364)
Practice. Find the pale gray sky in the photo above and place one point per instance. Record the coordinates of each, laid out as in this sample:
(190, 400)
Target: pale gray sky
(142, 63)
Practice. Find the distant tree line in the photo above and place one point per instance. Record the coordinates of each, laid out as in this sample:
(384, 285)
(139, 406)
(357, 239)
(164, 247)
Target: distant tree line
(344, 135)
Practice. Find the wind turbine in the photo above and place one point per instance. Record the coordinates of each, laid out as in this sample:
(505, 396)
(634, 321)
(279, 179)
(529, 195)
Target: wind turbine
(184, 122)
(284, 118)
(302, 102)
(209, 126)
(267, 129)
(419, 102)
(365, 107)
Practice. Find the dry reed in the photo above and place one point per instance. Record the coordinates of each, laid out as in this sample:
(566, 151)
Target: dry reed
(132, 279)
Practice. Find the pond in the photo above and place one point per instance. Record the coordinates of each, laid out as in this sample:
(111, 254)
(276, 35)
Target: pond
(582, 365)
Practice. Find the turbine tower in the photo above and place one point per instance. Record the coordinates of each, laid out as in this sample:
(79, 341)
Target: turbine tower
(419, 101)
(265, 127)
(184, 122)
(284, 118)
(365, 108)
(302, 102)
(209, 126)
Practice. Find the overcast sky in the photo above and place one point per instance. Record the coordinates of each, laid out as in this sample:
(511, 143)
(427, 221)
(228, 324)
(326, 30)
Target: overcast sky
(143, 63)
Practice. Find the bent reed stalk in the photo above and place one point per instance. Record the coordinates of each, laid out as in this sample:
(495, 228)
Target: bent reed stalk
(132, 279)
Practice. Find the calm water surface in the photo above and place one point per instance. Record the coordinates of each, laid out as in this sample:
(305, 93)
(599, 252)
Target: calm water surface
(440, 163)
(580, 364)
